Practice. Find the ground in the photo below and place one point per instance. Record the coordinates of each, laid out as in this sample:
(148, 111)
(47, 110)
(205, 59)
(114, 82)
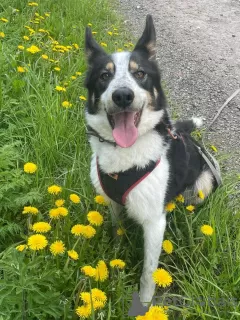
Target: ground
(198, 53)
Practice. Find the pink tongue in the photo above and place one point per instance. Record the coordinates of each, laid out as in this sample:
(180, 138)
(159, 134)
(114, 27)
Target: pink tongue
(125, 133)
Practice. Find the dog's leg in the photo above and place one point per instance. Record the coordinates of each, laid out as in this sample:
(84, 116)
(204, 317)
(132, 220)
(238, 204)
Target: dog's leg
(153, 237)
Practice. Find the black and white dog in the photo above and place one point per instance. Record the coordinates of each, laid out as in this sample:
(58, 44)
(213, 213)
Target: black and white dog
(141, 160)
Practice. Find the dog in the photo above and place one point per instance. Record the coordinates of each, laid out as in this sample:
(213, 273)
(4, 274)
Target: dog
(141, 159)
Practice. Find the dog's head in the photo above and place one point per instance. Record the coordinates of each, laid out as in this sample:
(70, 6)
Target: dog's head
(125, 99)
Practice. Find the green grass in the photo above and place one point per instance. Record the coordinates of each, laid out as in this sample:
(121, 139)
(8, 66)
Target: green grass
(35, 127)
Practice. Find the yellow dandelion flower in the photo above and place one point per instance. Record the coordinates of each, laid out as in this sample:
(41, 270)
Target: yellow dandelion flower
(21, 247)
(74, 197)
(89, 232)
(131, 44)
(167, 246)
(73, 77)
(47, 14)
(54, 213)
(117, 263)
(120, 232)
(54, 189)
(26, 38)
(30, 167)
(59, 88)
(99, 295)
(31, 210)
(85, 297)
(4, 20)
(94, 32)
(103, 44)
(76, 46)
(33, 4)
(73, 254)
(62, 211)
(66, 104)
(37, 242)
(119, 50)
(85, 231)
(2, 34)
(78, 73)
(170, 206)
(83, 98)
(110, 33)
(41, 227)
(89, 24)
(180, 198)
(162, 278)
(157, 312)
(214, 148)
(101, 271)
(190, 208)
(44, 56)
(57, 69)
(84, 311)
(21, 69)
(207, 230)
(101, 200)
(20, 47)
(95, 218)
(201, 194)
(77, 229)
(57, 247)
(33, 49)
(59, 202)
(89, 271)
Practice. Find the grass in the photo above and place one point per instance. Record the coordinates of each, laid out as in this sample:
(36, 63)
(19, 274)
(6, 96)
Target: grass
(36, 127)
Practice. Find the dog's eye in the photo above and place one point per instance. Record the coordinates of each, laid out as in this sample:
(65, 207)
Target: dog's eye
(105, 76)
(139, 74)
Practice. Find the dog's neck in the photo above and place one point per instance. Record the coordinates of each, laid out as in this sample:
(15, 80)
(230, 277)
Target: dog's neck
(148, 147)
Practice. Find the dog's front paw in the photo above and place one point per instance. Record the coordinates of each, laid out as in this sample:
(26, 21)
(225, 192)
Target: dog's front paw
(198, 121)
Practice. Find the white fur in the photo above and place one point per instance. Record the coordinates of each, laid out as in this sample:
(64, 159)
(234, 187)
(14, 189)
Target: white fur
(197, 121)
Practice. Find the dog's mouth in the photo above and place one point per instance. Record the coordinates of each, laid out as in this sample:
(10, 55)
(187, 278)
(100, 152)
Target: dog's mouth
(125, 127)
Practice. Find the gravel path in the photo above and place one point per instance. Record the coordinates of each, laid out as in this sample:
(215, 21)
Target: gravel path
(199, 55)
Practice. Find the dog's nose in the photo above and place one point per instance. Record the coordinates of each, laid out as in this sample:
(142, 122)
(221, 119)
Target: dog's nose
(123, 97)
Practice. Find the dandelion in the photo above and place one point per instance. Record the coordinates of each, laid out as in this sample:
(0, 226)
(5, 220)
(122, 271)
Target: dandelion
(66, 104)
(33, 4)
(57, 69)
(101, 200)
(76, 46)
(2, 34)
(59, 88)
(57, 247)
(84, 311)
(41, 227)
(47, 14)
(94, 32)
(74, 197)
(20, 47)
(170, 206)
(119, 50)
(190, 208)
(120, 232)
(85, 231)
(77, 229)
(117, 263)
(73, 77)
(103, 44)
(89, 271)
(78, 73)
(101, 271)
(207, 230)
(214, 148)
(31, 210)
(26, 38)
(33, 49)
(167, 246)
(37, 242)
(21, 247)
(162, 278)
(110, 33)
(201, 194)
(83, 98)
(59, 202)
(180, 198)
(73, 254)
(95, 218)
(44, 56)
(29, 167)
(54, 189)
(155, 312)
(54, 213)
(89, 24)
(4, 20)
(21, 69)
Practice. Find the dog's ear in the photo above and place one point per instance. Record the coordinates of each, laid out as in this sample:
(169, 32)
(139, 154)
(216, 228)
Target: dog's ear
(147, 42)
(92, 48)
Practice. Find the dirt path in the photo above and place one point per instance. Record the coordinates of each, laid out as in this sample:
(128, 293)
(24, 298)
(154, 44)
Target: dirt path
(199, 55)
